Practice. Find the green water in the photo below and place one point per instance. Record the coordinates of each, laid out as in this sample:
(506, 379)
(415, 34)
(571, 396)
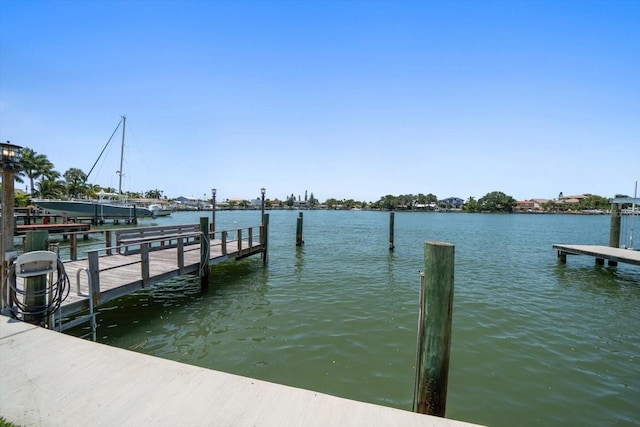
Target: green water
(534, 343)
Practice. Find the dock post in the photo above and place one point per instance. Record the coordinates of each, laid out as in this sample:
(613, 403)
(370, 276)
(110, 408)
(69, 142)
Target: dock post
(94, 272)
(391, 227)
(204, 253)
(107, 241)
(36, 286)
(73, 246)
(265, 239)
(434, 333)
(299, 241)
(144, 263)
(614, 231)
(180, 249)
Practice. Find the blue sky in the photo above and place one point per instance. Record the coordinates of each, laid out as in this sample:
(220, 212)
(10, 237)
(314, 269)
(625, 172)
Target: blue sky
(345, 99)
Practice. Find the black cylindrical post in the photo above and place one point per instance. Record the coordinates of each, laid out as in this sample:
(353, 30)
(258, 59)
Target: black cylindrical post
(391, 227)
(299, 240)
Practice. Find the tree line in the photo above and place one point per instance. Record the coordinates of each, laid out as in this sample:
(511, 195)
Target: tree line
(46, 182)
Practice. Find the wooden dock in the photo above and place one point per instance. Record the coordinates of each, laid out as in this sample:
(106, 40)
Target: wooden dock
(53, 379)
(113, 274)
(601, 253)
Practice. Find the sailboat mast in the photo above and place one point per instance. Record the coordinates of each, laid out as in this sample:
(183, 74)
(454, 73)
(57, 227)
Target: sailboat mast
(124, 125)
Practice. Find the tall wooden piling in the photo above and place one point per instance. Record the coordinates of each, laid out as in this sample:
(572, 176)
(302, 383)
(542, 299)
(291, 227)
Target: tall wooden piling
(299, 240)
(204, 253)
(391, 232)
(434, 333)
(265, 239)
(614, 230)
(36, 286)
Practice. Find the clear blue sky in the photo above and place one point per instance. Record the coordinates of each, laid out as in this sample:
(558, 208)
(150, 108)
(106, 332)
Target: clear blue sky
(346, 99)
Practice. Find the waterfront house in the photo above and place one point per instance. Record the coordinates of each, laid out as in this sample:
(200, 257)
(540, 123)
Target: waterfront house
(453, 202)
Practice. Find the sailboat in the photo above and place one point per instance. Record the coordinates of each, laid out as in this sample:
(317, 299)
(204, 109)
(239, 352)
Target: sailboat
(106, 205)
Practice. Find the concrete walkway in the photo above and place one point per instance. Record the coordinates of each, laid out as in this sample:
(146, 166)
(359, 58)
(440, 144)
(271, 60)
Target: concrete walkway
(52, 379)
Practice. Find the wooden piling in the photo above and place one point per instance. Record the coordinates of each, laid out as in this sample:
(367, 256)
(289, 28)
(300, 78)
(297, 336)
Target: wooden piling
(107, 240)
(36, 286)
(204, 253)
(391, 232)
(614, 230)
(299, 240)
(73, 247)
(432, 365)
(265, 239)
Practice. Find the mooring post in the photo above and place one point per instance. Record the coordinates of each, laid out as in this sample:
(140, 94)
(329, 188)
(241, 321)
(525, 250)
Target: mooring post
(614, 230)
(434, 334)
(36, 286)
(391, 227)
(204, 253)
(73, 246)
(265, 239)
(107, 241)
(299, 241)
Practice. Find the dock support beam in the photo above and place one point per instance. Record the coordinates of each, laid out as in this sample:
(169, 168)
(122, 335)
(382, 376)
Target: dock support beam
(204, 253)
(434, 333)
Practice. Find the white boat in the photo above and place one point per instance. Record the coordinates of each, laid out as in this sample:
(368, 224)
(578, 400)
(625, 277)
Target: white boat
(158, 209)
(106, 206)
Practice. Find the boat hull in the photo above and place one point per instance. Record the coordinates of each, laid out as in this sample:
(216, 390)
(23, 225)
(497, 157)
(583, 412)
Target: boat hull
(90, 209)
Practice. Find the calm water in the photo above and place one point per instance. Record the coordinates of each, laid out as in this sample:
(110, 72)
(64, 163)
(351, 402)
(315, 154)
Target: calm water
(534, 343)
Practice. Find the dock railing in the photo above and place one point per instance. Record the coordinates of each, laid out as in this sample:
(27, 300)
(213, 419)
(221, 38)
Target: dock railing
(79, 248)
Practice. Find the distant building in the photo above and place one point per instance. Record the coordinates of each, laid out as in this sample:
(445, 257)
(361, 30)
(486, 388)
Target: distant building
(532, 205)
(571, 200)
(454, 202)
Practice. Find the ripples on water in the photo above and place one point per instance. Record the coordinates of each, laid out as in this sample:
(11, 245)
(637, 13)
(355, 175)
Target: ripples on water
(534, 342)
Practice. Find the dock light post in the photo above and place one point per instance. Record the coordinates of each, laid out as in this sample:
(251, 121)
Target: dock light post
(262, 191)
(10, 157)
(213, 209)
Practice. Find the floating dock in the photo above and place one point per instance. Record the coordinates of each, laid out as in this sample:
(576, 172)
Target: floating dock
(601, 253)
(52, 379)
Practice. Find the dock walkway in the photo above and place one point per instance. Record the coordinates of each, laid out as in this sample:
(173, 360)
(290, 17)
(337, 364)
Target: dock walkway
(52, 379)
(613, 255)
(116, 274)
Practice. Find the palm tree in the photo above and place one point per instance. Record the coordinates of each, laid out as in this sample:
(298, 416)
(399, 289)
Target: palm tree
(75, 179)
(51, 188)
(34, 165)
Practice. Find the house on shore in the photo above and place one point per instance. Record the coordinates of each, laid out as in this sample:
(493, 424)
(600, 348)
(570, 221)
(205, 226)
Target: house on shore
(452, 202)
